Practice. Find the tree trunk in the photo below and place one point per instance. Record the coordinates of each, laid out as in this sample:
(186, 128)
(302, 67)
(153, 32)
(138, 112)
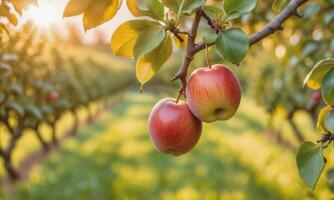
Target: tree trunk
(41, 140)
(90, 114)
(277, 138)
(76, 122)
(11, 171)
(54, 133)
(314, 118)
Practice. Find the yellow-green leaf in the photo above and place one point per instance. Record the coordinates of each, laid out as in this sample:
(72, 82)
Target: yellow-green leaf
(319, 71)
(148, 40)
(152, 8)
(278, 5)
(76, 7)
(99, 12)
(125, 37)
(4, 29)
(149, 64)
(323, 113)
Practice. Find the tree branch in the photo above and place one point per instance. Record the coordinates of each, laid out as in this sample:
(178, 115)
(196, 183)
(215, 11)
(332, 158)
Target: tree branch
(276, 24)
(211, 22)
(182, 73)
(2, 153)
(270, 28)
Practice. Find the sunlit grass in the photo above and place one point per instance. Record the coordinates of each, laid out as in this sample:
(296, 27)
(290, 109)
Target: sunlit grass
(114, 159)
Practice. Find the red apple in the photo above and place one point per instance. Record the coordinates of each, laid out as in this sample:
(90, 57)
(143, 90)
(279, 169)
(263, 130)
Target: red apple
(316, 97)
(53, 96)
(173, 128)
(213, 94)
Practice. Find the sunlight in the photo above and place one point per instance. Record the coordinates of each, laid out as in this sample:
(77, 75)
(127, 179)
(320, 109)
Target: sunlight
(45, 14)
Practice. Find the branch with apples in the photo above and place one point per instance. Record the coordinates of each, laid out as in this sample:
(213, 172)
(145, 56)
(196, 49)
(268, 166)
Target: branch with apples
(270, 28)
(211, 93)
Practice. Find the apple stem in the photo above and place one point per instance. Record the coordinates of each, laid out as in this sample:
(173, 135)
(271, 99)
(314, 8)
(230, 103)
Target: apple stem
(180, 93)
(207, 57)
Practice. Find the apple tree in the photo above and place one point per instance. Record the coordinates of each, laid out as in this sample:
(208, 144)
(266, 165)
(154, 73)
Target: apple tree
(205, 25)
(41, 82)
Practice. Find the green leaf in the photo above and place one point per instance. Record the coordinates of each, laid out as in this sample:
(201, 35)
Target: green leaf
(321, 118)
(13, 105)
(310, 163)
(188, 7)
(172, 4)
(33, 110)
(278, 5)
(99, 12)
(236, 8)
(148, 41)
(329, 122)
(16, 89)
(232, 45)
(327, 88)
(191, 5)
(125, 37)
(209, 36)
(319, 71)
(76, 7)
(329, 18)
(330, 176)
(213, 10)
(152, 8)
(312, 9)
(149, 64)
(310, 48)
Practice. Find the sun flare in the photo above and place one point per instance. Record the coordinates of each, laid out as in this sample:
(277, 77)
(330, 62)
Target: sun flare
(45, 14)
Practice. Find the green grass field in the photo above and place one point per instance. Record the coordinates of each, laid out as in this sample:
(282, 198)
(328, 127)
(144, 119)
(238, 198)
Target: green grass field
(114, 159)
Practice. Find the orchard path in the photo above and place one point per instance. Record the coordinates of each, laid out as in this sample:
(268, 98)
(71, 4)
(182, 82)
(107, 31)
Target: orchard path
(114, 159)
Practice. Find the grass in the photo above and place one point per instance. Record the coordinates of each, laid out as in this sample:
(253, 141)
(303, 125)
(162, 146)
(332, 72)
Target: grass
(114, 159)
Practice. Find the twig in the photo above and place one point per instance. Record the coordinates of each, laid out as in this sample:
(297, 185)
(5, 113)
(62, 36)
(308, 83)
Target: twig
(273, 26)
(176, 32)
(211, 22)
(270, 28)
(276, 24)
(182, 73)
(326, 139)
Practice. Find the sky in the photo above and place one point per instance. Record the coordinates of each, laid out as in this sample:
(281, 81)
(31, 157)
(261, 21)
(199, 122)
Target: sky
(52, 10)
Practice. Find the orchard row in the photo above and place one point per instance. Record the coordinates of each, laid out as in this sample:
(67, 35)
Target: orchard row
(40, 82)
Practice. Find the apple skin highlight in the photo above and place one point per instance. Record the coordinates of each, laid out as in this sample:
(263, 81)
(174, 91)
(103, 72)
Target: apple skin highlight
(173, 129)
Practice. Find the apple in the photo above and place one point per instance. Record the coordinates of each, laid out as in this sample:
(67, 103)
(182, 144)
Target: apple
(316, 97)
(53, 96)
(213, 93)
(173, 129)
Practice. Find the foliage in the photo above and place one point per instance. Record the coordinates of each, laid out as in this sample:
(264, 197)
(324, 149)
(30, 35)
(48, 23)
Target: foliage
(149, 42)
(57, 82)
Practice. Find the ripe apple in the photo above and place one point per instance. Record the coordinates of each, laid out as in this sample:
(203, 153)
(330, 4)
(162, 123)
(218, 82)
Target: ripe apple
(173, 129)
(213, 94)
(53, 96)
(316, 97)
